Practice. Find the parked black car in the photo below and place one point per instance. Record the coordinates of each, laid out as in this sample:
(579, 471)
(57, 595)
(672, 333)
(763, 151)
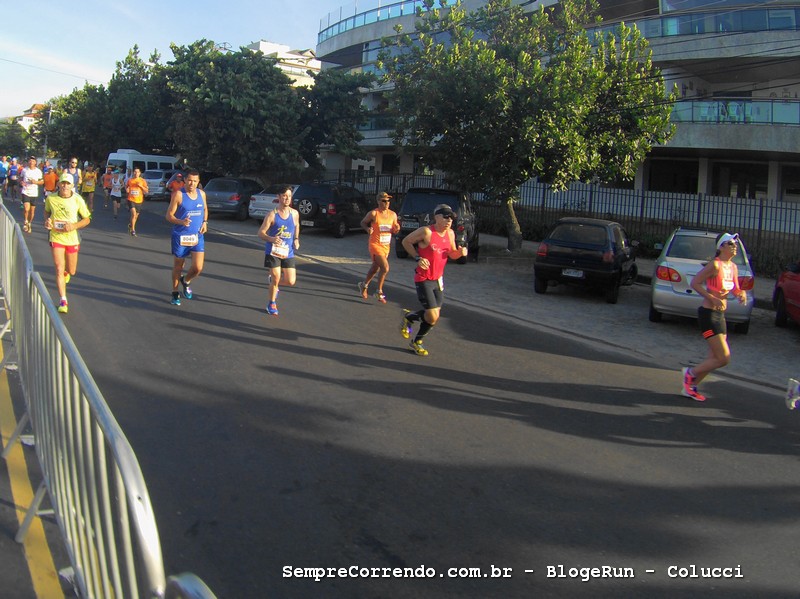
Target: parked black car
(231, 195)
(337, 208)
(417, 210)
(586, 251)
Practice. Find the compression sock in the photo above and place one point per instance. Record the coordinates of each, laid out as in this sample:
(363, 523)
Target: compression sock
(424, 327)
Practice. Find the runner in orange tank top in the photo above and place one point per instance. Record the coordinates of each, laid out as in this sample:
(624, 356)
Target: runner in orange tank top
(381, 224)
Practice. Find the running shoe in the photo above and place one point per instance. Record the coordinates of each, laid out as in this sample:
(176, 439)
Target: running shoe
(689, 388)
(63, 307)
(381, 297)
(176, 299)
(416, 347)
(793, 394)
(133, 233)
(26, 227)
(272, 308)
(362, 290)
(187, 291)
(67, 278)
(405, 325)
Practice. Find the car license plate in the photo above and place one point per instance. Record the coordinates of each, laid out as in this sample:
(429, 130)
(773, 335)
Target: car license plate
(409, 225)
(307, 223)
(572, 272)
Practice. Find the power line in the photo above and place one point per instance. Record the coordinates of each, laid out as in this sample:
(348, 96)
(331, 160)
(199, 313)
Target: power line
(33, 66)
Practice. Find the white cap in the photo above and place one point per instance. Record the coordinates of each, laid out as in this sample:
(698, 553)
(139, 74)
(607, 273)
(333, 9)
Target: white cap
(726, 237)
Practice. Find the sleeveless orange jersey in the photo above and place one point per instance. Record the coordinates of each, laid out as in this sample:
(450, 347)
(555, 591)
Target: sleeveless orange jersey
(380, 235)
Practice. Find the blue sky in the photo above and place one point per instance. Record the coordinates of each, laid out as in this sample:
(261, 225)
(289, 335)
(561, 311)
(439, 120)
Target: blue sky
(72, 44)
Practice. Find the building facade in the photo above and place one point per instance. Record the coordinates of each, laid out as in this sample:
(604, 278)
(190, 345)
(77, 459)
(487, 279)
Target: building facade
(735, 65)
(295, 63)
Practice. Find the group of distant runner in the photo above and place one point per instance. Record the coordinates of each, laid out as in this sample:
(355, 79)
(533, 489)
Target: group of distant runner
(66, 212)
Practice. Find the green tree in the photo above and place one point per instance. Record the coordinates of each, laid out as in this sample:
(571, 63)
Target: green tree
(12, 139)
(332, 112)
(498, 96)
(137, 116)
(233, 112)
(73, 125)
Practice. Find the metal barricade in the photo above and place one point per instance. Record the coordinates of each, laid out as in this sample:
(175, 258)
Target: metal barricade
(90, 472)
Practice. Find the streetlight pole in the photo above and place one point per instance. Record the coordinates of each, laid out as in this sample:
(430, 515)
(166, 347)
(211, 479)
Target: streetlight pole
(47, 131)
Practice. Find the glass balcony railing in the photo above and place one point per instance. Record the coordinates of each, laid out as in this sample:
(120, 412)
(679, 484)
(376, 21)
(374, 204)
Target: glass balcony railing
(741, 20)
(753, 112)
(764, 112)
(347, 18)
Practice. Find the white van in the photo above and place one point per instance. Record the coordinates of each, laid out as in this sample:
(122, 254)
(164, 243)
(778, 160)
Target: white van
(127, 160)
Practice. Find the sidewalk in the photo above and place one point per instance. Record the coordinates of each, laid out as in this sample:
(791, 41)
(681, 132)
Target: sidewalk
(764, 286)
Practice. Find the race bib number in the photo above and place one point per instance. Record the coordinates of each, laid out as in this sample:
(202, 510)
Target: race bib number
(60, 225)
(134, 193)
(189, 240)
(385, 238)
(280, 250)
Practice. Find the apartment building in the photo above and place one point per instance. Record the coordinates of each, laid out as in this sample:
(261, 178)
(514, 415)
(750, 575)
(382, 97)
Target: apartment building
(295, 63)
(736, 65)
(30, 116)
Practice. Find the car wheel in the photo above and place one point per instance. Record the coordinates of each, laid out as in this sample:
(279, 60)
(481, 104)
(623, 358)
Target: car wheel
(781, 317)
(340, 229)
(539, 284)
(242, 212)
(399, 251)
(612, 293)
(306, 207)
(742, 327)
(655, 315)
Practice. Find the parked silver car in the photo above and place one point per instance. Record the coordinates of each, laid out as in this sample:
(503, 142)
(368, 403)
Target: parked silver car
(230, 195)
(264, 202)
(684, 255)
(157, 183)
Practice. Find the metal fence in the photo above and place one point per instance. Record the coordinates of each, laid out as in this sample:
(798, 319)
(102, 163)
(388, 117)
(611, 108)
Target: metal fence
(769, 228)
(90, 472)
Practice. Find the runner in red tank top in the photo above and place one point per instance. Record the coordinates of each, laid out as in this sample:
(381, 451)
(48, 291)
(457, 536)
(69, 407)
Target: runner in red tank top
(430, 247)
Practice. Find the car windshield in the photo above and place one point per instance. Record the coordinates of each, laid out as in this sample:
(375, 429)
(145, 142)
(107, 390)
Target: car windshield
(579, 233)
(320, 192)
(221, 185)
(420, 203)
(693, 247)
(153, 174)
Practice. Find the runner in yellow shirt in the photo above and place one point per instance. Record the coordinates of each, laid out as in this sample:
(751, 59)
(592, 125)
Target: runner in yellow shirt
(65, 212)
(88, 186)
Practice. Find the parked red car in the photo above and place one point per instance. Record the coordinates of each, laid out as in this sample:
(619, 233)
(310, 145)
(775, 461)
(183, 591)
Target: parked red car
(786, 297)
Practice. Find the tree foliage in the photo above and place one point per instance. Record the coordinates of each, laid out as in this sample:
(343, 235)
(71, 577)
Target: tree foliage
(137, 115)
(229, 112)
(12, 139)
(233, 111)
(332, 113)
(498, 96)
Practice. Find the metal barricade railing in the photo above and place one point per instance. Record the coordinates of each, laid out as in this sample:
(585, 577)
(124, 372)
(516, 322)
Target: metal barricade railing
(90, 472)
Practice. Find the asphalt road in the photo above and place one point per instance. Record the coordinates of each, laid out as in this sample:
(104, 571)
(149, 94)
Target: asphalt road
(316, 439)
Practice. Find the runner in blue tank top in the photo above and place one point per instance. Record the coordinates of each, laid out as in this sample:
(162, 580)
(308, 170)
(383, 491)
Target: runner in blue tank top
(281, 232)
(188, 213)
